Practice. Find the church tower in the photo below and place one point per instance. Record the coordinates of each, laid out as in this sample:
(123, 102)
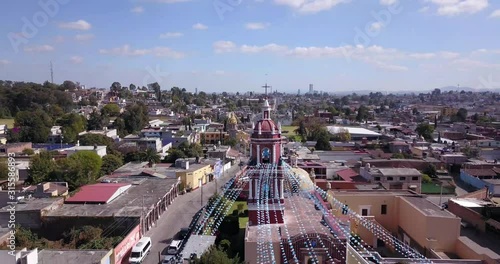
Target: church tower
(265, 152)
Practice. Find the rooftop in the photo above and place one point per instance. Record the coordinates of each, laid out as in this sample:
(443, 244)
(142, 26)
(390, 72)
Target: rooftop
(427, 207)
(399, 171)
(197, 245)
(98, 193)
(147, 190)
(71, 256)
(353, 130)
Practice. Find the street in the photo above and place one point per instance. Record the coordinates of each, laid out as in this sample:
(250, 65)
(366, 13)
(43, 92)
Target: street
(179, 214)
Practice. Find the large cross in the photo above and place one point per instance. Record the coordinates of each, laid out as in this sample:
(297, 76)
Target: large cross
(266, 87)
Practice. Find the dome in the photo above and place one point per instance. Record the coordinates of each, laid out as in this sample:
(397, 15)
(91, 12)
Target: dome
(266, 125)
(232, 119)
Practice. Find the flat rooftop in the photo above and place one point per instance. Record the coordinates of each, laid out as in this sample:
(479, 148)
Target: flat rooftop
(399, 171)
(147, 190)
(71, 256)
(35, 204)
(197, 245)
(427, 207)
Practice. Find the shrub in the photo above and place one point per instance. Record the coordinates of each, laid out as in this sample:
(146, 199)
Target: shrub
(426, 178)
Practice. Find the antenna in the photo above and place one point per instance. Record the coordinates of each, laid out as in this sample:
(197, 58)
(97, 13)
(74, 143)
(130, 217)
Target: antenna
(51, 73)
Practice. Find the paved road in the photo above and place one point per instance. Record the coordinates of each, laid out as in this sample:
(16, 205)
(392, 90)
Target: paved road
(180, 214)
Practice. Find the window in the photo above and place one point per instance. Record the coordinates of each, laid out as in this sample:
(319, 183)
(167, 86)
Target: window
(383, 209)
(377, 178)
(414, 178)
(402, 178)
(364, 212)
(389, 178)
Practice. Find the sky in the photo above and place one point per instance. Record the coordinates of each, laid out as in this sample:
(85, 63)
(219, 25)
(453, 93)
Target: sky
(239, 45)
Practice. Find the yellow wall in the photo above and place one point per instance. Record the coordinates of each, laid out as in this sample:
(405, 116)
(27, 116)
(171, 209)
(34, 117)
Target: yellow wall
(191, 178)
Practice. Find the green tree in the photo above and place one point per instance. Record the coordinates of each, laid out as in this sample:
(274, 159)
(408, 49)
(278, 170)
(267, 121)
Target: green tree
(363, 113)
(4, 169)
(323, 142)
(471, 153)
(72, 124)
(28, 151)
(301, 130)
(68, 85)
(97, 121)
(342, 135)
(151, 156)
(425, 130)
(41, 167)
(112, 110)
(426, 178)
(135, 117)
(461, 115)
(110, 163)
(430, 170)
(194, 150)
(79, 169)
(33, 126)
(397, 156)
(174, 154)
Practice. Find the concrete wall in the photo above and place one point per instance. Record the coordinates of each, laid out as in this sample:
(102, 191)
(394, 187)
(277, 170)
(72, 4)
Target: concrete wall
(468, 249)
(468, 215)
(429, 231)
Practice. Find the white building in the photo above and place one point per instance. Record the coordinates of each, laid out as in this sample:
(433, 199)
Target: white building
(99, 150)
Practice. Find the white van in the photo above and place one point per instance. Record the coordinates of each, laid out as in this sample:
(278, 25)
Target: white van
(140, 250)
(174, 247)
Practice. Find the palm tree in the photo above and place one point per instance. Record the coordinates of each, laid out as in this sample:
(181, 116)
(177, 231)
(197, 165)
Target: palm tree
(151, 156)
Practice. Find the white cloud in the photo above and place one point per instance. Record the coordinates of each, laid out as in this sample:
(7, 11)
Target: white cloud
(171, 35)
(126, 50)
(424, 9)
(256, 25)
(458, 7)
(219, 72)
(223, 46)
(310, 6)
(449, 55)
(388, 2)
(137, 10)
(495, 14)
(41, 48)
(84, 37)
(376, 26)
(76, 59)
(275, 48)
(167, 52)
(4, 62)
(77, 25)
(199, 26)
(423, 55)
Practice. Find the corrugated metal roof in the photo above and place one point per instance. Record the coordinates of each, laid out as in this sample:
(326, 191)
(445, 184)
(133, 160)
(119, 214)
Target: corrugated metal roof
(96, 193)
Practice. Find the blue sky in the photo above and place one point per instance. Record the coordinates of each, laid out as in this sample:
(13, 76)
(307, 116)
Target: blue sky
(231, 45)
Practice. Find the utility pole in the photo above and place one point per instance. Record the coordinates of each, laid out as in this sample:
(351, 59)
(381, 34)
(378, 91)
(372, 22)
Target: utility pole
(201, 189)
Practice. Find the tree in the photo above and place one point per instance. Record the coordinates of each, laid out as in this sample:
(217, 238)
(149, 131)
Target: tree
(4, 170)
(72, 124)
(323, 141)
(342, 135)
(115, 88)
(97, 121)
(68, 85)
(112, 110)
(397, 156)
(174, 154)
(216, 255)
(363, 113)
(132, 87)
(79, 169)
(28, 151)
(33, 126)
(151, 156)
(41, 167)
(110, 163)
(301, 130)
(425, 130)
(135, 117)
(461, 115)
(471, 153)
(430, 170)
(426, 178)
